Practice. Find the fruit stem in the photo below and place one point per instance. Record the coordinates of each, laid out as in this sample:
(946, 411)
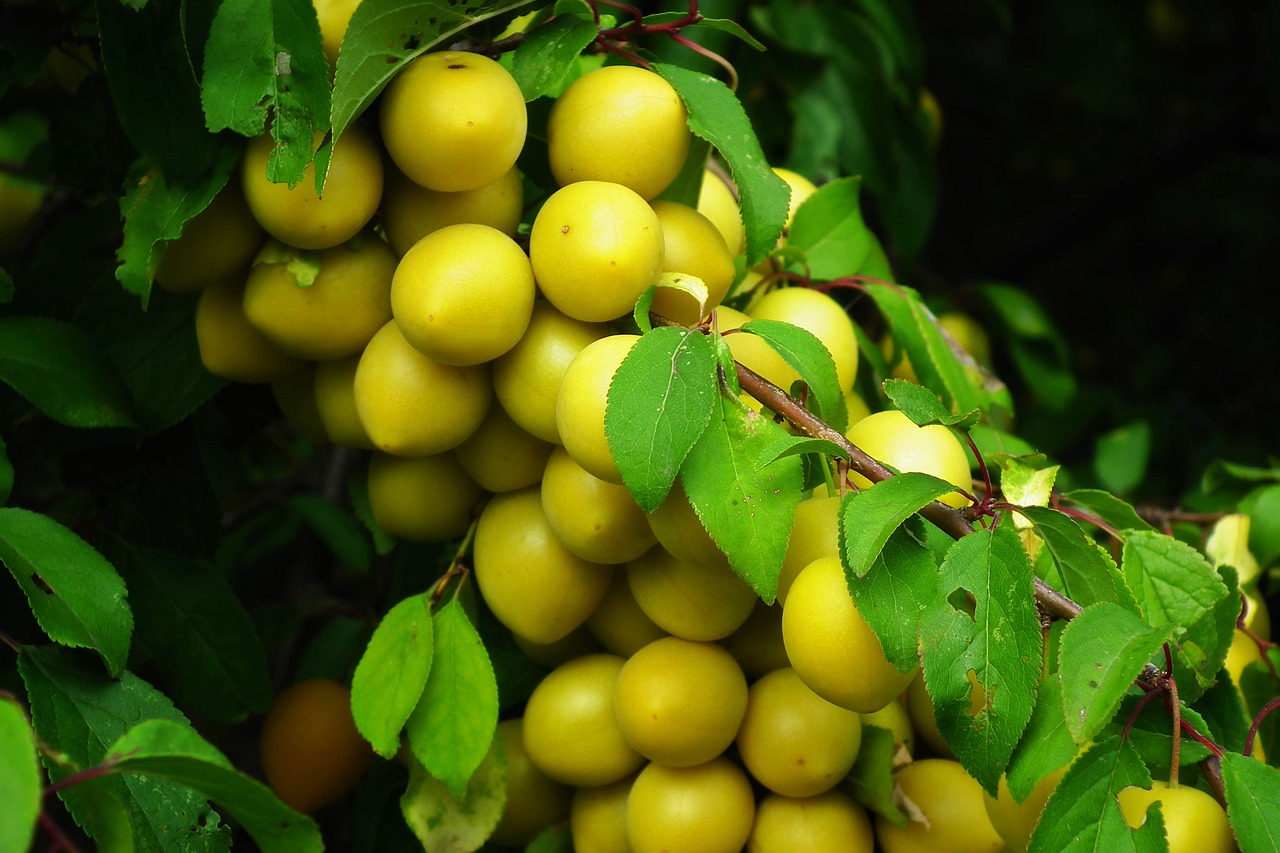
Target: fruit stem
(1257, 722)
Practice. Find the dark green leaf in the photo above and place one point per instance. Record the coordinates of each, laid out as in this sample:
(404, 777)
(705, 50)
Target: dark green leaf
(894, 596)
(1082, 813)
(745, 506)
(57, 368)
(77, 597)
(339, 530)
(192, 624)
(1107, 508)
(155, 208)
(1088, 573)
(548, 52)
(1103, 650)
(1046, 743)
(716, 115)
(801, 349)
(80, 712)
(452, 727)
(385, 34)
(153, 84)
(335, 650)
(6, 474)
(836, 241)
(660, 402)
(982, 650)
(1253, 802)
(869, 516)
(264, 60)
(163, 749)
(1037, 348)
(871, 779)
(392, 673)
(20, 779)
(154, 351)
(553, 839)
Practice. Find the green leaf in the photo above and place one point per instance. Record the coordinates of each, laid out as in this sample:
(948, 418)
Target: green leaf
(894, 596)
(340, 531)
(57, 369)
(1103, 650)
(154, 351)
(1263, 508)
(1121, 458)
(156, 206)
(745, 506)
(869, 516)
(1108, 508)
(1046, 743)
(153, 84)
(448, 824)
(452, 727)
(660, 402)
(915, 330)
(1083, 814)
(264, 59)
(194, 626)
(1174, 584)
(1201, 650)
(870, 781)
(553, 839)
(392, 673)
(6, 474)
(1038, 350)
(80, 712)
(77, 597)
(801, 349)
(1088, 573)
(1253, 802)
(982, 650)
(163, 749)
(716, 115)
(20, 779)
(547, 53)
(836, 240)
(358, 493)
(383, 35)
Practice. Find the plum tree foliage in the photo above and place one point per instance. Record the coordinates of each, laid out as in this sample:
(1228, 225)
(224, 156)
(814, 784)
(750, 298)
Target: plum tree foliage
(483, 425)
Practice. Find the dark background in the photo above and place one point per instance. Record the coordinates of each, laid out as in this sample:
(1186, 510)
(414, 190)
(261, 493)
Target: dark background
(1118, 162)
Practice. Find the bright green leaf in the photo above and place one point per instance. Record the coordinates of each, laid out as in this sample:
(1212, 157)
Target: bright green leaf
(452, 727)
(869, 516)
(660, 402)
(448, 824)
(163, 749)
(1108, 508)
(548, 52)
(1088, 573)
(79, 711)
(77, 597)
(20, 779)
(1102, 651)
(1253, 802)
(264, 60)
(746, 507)
(1174, 584)
(836, 241)
(392, 673)
(982, 649)
(1121, 458)
(807, 355)
(1082, 813)
(56, 367)
(1046, 743)
(716, 115)
(894, 596)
